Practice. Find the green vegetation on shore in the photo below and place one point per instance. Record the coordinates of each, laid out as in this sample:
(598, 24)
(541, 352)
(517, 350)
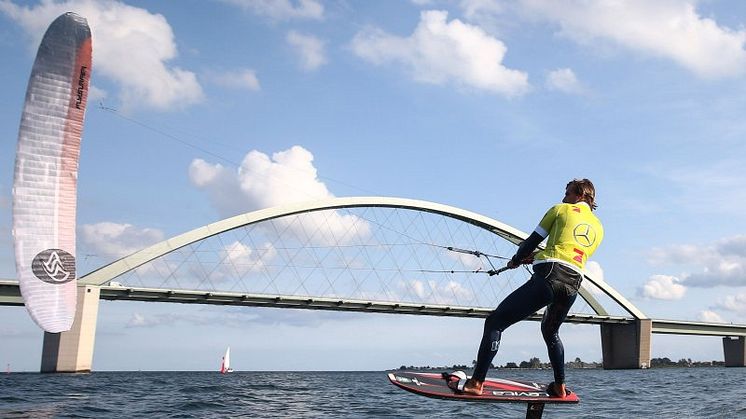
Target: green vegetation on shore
(535, 363)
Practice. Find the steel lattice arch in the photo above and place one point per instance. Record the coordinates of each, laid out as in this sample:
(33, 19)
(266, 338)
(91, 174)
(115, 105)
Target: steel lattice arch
(404, 259)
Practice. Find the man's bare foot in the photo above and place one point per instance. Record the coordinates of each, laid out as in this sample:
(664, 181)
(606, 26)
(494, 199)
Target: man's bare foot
(474, 387)
(558, 390)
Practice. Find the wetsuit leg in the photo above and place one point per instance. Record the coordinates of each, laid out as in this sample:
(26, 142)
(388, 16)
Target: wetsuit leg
(555, 314)
(521, 303)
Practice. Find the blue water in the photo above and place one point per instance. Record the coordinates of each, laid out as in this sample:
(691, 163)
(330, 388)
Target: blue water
(657, 393)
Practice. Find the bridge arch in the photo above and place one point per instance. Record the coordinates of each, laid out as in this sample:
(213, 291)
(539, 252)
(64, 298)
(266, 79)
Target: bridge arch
(106, 273)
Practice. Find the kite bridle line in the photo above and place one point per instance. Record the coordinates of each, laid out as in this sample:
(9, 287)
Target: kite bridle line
(477, 253)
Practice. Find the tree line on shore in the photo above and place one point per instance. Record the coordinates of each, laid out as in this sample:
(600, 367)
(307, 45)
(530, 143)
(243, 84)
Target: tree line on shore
(535, 363)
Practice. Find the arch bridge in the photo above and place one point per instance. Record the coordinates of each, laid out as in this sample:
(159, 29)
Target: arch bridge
(366, 254)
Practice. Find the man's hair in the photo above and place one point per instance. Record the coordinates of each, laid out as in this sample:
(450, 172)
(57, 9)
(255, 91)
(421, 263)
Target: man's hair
(585, 190)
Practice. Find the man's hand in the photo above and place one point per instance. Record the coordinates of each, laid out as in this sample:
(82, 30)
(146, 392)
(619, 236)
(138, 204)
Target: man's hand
(512, 264)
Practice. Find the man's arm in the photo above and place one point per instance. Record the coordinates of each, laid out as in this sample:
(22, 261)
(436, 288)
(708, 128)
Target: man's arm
(525, 249)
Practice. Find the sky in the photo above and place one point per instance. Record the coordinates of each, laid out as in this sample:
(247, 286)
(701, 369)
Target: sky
(200, 110)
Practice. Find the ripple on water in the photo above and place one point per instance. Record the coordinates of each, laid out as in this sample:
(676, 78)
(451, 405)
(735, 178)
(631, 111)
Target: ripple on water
(653, 393)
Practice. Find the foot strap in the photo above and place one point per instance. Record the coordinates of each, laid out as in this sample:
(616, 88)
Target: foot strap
(456, 380)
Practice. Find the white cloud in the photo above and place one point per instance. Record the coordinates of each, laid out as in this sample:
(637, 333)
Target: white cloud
(282, 9)
(710, 316)
(242, 259)
(722, 263)
(671, 29)
(139, 320)
(260, 182)
(440, 52)
(131, 46)
(168, 319)
(236, 317)
(564, 80)
(663, 287)
(309, 48)
(263, 182)
(432, 292)
(595, 271)
(113, 240)
(473, 9)
(468, 261)
(238, 79)
(734, 303)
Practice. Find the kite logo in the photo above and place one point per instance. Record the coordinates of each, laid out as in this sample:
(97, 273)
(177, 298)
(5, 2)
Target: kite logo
(54, 266)
(407, 380)
(81, 87)
(584, 235)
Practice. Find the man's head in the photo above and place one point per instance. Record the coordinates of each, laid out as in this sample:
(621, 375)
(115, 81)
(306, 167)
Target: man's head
(578, 190)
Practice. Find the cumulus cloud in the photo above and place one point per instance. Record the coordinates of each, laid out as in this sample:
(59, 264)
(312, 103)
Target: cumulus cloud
(710, 317)
(236, 317)
(473, 9)
(169, 319)
(440, 52)
(722, 262)
(309, 48)
(432, 292)
(672, 29)
(242, 258)
(468, 261)
(595, 271)
(282, 9)
(733, 303)
(139, 320)
(262, 181)
(564, 80)
(663, 287)
(132, 47)
(113, 240)
(238, 79)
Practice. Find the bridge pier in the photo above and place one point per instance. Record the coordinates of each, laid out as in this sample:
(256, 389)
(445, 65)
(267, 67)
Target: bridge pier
(626, 346)
(72, 351)
(735, 351)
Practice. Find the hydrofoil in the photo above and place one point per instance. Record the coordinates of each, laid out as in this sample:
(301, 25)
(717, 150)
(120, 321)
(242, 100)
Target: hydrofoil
(495, 390)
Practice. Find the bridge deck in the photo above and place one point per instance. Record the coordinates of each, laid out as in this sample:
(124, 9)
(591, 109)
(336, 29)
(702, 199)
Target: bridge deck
(10, 295)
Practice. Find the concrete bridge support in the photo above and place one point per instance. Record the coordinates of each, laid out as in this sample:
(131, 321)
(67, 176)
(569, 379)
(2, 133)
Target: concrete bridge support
(735, 351)
(626, 346)
(72, 351)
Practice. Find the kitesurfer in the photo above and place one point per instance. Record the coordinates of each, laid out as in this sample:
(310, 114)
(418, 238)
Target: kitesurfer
(574, 233)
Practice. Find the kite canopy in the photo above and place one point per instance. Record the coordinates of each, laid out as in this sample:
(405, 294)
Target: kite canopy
(46, 173)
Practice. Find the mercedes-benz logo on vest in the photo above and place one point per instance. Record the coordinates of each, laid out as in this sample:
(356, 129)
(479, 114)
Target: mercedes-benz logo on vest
(54, 266)
(584, 235)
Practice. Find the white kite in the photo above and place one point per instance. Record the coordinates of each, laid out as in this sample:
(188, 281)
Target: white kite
(46, 173)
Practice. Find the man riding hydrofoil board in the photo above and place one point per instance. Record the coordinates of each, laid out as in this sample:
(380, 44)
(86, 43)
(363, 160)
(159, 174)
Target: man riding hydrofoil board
(573, 234)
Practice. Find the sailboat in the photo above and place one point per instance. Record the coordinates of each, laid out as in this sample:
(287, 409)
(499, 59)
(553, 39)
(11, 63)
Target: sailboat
(225, 366)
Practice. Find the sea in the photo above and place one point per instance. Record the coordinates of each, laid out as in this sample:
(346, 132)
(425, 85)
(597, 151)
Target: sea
(714, 392)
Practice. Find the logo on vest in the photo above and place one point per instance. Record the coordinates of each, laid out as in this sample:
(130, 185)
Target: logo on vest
(584, 235)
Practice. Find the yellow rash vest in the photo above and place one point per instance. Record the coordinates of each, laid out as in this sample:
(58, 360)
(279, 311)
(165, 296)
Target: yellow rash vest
(574, 234)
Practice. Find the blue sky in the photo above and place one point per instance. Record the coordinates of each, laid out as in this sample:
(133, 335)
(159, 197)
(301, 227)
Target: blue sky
(487, 106)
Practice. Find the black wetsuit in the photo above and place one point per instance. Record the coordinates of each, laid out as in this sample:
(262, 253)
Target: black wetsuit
(573, 233)
(553, 285)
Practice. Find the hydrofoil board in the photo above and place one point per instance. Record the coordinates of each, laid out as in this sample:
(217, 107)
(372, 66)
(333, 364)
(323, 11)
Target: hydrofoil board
(495, 390)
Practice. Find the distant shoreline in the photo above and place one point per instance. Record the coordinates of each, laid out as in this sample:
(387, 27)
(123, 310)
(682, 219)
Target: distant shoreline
(536, 364)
